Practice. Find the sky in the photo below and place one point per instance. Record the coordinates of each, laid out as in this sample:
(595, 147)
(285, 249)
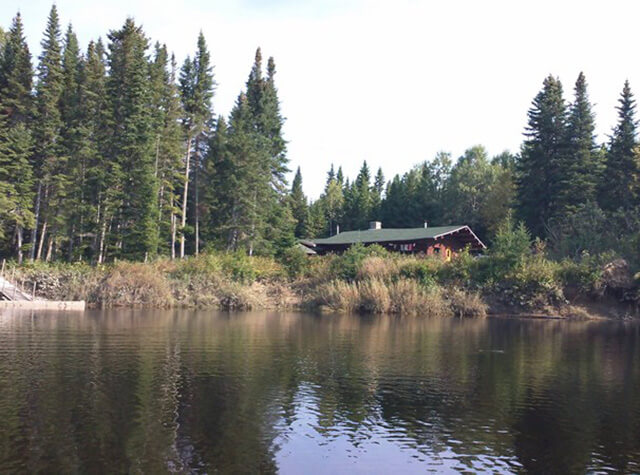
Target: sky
(389, 82)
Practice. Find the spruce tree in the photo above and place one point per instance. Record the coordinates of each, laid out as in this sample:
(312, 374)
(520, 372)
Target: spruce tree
(376, 195)
(16, 182)
(299, 205)
(16, 75)
(220, 175)
(102, 174)
(621, 166)
(131, 142)
(16, 142)
(74, 136)
(541, 169)
(248, 181)
(197, 89)
(580, 181)
(168, 146)
(50, 163)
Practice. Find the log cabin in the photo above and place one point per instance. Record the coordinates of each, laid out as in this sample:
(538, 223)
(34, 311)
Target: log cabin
(441, 241)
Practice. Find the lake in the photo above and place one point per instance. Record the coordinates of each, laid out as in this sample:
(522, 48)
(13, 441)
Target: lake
(149, 391)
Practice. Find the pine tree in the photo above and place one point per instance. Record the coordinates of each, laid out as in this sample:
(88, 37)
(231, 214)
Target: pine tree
(376, 195)
(359, 201)
(131, 142)
(248, 181)
(541, 169)
(196, 88)
(219, 173)
(16, 143)
(50, 164)
(16, 182)
(102, 175)
(270, 146)
(16, 75)
(331, 175)
(621, 167)
(168, 147)
(299, 205)
(74, 139)
(581, 178)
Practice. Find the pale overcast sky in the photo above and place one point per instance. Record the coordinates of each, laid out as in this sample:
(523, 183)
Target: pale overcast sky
(392, 82)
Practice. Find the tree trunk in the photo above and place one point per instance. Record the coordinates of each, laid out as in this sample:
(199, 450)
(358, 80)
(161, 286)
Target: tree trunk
(184, 197)
(70, 248)
(173, 231)
(253, 222)
(43, 235)
(197, 201)
(50, 247)
(34, 236)
(103, 233)
(19, 243)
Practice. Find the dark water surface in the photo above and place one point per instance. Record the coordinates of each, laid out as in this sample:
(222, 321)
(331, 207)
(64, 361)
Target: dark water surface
(177, 391)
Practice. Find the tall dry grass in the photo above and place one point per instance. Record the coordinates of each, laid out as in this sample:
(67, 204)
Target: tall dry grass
(466, 304)
(133, 285)
(400, 297)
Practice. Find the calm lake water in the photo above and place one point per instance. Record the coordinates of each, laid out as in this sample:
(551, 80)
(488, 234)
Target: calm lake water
(208, 392)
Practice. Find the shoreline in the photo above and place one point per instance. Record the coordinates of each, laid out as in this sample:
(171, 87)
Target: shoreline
(401, 286)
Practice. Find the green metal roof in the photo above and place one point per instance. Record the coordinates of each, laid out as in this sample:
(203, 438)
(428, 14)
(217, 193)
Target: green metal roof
(388, 235)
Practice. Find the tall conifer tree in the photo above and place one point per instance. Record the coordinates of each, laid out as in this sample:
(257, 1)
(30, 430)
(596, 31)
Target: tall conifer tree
(541, 169)
(16, 75)
(131, 142)
(197, 89)
(50, 163)
(621, 167)
(299, 205)
(583, 168)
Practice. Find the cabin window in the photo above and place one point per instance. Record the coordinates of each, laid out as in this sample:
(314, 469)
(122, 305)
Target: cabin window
(448, 254)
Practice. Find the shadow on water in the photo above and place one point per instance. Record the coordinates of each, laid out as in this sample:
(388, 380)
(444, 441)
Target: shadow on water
(183, 391)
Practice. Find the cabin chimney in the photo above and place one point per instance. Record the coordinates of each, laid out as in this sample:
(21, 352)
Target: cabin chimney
(337, 229)
(375, 225)
(426, 225)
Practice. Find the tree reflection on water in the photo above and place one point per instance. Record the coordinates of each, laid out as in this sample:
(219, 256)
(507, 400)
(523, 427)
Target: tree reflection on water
(180, 391)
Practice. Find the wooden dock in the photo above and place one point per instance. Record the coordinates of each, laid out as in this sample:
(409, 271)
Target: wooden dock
(12, 296)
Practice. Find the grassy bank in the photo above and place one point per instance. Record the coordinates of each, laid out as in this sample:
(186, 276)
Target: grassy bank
(514, 278)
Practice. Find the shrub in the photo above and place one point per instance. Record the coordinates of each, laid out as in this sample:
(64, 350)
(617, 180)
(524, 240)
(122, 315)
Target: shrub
(535, 282)
(238, 265)
(584, 273)
(376, 267)
(235, 296)
(266, 268)
(207, 264)
(461, 270)
(133, 284)
(424, 270)
(296, 261)
(346, 266)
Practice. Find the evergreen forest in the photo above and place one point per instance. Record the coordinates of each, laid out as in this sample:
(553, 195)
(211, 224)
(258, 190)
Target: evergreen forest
(114, 151)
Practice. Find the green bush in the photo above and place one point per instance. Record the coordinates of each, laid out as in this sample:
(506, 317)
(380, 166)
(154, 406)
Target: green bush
(586, 272)
(295, 261)
(238, 266)
(461, 270)
(347, 265)
(424, 270)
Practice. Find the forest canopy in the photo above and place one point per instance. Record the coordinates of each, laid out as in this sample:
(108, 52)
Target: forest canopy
(114, 151)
